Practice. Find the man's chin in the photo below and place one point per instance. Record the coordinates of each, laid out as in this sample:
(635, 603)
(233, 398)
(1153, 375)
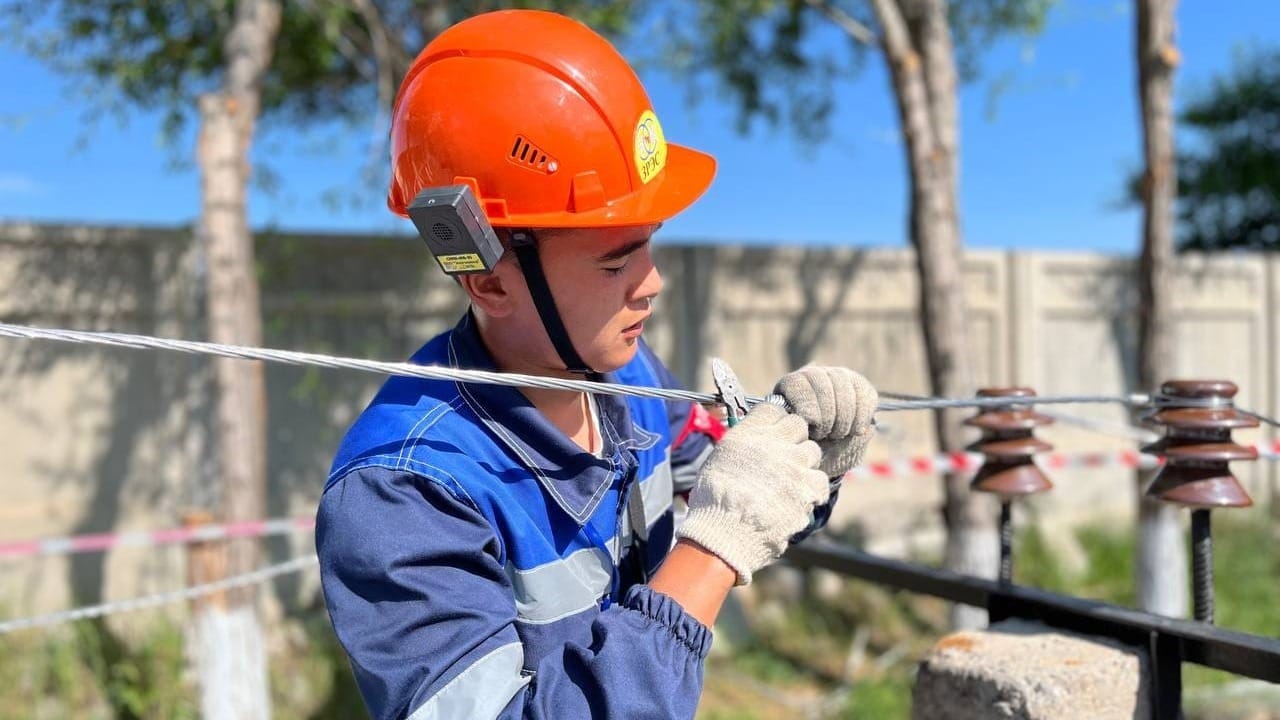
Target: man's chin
(618, 357)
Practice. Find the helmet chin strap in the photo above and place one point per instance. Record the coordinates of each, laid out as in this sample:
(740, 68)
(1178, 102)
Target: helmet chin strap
(526, 249)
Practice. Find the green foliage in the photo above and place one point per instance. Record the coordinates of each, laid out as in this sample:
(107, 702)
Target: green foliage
(314, 681)
(761, 55)
(809, 644)
(975, 24)
(88, 670)
(161, 54)
(884, 697)
(1246, 583)
(1229, 178)
(612, 18)
(800, 655)
(1248, 574)
(1036, 564)
(776, 61)
(1246, 579)
(762, 663)
(1110, 574)
(1107, 576)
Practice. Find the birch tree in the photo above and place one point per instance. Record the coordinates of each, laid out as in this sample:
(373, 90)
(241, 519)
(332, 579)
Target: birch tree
(758, 50)
(1161, 562)
(231, 646)
(227, 65)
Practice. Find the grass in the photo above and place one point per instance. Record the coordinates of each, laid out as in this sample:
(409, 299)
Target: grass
(1247, 574)
(88, 671)
(804, 650)
(886, 697)
(1108, 573)
(799, 659)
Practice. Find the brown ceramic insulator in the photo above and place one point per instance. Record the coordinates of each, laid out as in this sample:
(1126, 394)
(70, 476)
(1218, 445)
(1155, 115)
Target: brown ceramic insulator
(1210, 452)
(1008, 445)
(1010, 450)
(1200, 389)
(1197, 447)
(1199, 487)
(1203, 418)
(1008, 420)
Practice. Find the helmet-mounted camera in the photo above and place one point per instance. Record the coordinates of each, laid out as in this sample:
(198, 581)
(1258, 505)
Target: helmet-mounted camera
(456, 231)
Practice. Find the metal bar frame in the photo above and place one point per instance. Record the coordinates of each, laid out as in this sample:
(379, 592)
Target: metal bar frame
(1168, 641)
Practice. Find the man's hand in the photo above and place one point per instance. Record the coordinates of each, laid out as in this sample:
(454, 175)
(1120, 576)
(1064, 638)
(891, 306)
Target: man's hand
(756, 490)
(838, 404)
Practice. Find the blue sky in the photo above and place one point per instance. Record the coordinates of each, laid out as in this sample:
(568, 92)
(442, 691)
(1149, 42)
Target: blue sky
(1042, 168)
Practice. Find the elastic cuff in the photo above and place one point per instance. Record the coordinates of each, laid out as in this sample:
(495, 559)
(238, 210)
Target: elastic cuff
(667, 612)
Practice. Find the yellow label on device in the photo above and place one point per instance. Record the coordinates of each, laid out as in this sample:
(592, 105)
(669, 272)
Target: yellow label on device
(464, 262)
(651, 147)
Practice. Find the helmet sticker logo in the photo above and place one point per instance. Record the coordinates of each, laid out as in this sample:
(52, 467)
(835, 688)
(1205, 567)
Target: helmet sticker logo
(651, 147)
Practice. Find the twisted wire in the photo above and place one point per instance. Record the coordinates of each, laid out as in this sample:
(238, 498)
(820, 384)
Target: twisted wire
(888, 403)
(153, 601)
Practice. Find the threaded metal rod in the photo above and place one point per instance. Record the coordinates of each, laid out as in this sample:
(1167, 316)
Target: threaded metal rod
(1006, 542)
(1202, 564)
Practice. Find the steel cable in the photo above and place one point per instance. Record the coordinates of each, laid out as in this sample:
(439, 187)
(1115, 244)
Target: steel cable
(888, 402)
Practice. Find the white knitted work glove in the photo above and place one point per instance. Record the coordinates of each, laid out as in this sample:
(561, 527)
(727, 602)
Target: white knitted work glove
(838, 404)
(756, 490)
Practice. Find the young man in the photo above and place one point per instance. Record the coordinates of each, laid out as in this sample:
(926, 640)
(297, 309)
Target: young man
(487, 552)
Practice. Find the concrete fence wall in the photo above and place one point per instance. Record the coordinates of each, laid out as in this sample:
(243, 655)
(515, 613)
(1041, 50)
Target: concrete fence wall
(94, 440)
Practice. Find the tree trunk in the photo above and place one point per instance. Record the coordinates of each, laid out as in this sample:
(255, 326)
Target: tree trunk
(924, 82)
(1161, 562)
(233, 636)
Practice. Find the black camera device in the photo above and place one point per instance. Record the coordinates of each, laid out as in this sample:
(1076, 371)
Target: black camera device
(455, 229)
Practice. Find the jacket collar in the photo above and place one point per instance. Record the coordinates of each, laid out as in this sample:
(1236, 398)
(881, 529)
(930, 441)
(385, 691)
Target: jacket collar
(576, 480)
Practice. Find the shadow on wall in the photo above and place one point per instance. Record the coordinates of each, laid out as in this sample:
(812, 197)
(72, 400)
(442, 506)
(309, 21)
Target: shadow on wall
(1121, 293)
(376, 298)
(813, 321)
(135, 404)
(690, 312)
(134, 430)
(817, 268)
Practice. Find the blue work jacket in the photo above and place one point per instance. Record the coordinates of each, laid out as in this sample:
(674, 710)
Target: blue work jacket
(478, 564)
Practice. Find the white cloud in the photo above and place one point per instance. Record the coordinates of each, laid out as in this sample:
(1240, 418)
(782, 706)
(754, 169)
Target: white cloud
(12, 183)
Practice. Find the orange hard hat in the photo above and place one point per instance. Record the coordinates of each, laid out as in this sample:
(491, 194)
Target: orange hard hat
(545, 121)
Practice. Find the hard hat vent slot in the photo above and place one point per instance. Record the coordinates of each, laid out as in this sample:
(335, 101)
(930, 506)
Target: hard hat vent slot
(526, 154)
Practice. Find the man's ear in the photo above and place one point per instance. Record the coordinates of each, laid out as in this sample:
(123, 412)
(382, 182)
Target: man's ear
(490, 291)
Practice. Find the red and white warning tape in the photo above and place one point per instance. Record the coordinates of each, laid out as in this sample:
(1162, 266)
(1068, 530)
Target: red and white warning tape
(899, 467)
(107, 541)
(969, 462)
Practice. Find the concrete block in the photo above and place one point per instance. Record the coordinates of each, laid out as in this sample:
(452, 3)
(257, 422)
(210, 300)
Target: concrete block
(1017, 670)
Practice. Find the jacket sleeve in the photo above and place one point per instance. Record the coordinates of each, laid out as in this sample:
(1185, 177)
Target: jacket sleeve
(420, 600)
(694, 431)
(821, 514)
